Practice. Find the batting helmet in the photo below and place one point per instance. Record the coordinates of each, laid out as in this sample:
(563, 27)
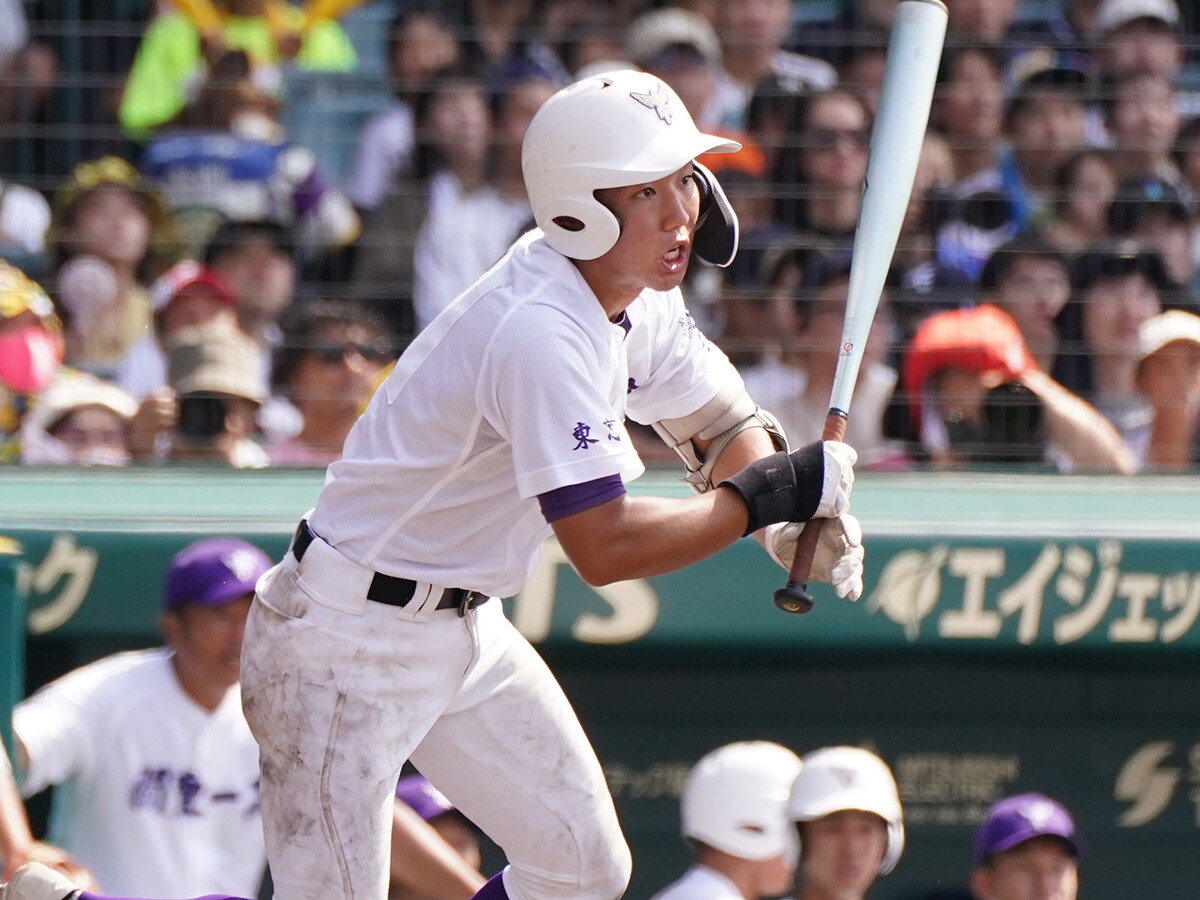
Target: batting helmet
(611, 130)
(735, 798)
(840, 778)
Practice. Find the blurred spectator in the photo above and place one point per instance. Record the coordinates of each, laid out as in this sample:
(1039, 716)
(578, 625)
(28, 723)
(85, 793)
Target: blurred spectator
(31, 350)
(856, 23)
(24, 224)
(79, 420)
(1065, 26)
(975, 395)
(1030, 279)
(420, 42)
(1157, 215)
(226, 157)
(1168, 376)
(434, 235)
(987, 21)
(255, 260)
(1045, 118)
(157, 767)
(1187, 154)
(185, 295)
(862, 72)
(1117, 287)
(501, 38)
(216, 377)
(757, 310)
(968, 107)
(333, 356)
(821, 177)
(105, 220)
(176, 51)
(752, 34)
(459, 832)
(923, 282)
(1138, 36)
(1084, 187)
(682, 49)
(1026, 846)
(28, 69)
(586, 35)
(797, 386)
(1143, 121)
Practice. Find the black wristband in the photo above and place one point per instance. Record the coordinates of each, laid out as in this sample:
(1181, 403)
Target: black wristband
(782, 487)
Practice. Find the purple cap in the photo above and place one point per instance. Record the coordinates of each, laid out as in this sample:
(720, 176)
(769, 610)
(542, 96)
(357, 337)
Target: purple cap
(1014, 820)
(212, 572)
(426, 800)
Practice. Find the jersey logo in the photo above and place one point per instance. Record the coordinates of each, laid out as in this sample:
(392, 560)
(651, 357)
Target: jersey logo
(582, 435)
(656, 99)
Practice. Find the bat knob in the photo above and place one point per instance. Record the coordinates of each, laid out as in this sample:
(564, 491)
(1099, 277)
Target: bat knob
(794, 598)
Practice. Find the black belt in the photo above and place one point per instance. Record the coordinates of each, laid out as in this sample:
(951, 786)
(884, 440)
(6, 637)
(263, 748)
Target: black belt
(389, 589)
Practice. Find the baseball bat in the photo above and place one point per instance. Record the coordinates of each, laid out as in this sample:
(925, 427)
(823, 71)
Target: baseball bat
(910, 70)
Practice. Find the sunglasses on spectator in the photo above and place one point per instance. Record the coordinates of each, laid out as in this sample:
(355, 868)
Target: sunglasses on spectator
(333, 352)
(828, 138)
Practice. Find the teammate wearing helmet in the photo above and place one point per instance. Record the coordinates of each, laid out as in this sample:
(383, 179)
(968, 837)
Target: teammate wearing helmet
(733, 816)
(374, 641)
(847, 811)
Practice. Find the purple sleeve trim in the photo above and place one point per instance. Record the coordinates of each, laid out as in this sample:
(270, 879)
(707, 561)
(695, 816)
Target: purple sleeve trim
(574, 498)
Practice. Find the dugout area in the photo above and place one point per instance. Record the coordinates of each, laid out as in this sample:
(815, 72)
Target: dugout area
(1025, 632)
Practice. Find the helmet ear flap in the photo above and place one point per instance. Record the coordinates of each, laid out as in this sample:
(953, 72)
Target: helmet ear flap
(715, 239)
(581, 228)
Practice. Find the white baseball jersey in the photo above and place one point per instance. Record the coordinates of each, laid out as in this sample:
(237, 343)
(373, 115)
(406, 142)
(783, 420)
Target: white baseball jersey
(700, 883)
(157, 796)
(519, 388)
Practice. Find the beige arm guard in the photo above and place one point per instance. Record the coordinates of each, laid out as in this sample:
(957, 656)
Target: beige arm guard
(718, 421)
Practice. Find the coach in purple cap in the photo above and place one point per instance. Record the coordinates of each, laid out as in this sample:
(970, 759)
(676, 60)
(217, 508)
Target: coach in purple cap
(1026, 848)
(455, 829)
(158, 764)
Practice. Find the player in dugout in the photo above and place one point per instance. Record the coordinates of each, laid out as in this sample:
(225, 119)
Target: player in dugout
(732, 815)
(378, 638)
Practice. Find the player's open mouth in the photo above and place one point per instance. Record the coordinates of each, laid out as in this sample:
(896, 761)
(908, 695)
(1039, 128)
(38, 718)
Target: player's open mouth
(675, 259)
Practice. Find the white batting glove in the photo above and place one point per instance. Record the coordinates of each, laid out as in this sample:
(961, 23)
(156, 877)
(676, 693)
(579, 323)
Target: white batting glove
(838, 559)
(839, 479)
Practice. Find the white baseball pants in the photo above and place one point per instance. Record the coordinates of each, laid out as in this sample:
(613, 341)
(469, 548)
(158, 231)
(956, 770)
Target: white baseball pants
(340, 691)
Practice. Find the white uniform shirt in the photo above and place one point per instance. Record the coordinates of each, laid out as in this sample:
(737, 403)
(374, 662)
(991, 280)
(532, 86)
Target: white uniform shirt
(520, 387)
(158, 797)
(700, 883)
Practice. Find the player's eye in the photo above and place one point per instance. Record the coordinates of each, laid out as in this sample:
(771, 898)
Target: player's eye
(646, 192)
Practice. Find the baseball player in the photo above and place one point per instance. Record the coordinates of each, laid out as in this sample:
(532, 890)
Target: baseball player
(416, 796)
(375, 641)
(733, 816)
(158, 768)
(847, 812)
(1026, 848)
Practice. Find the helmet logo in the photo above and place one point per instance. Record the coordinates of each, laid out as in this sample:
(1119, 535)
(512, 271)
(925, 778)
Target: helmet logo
(845, 775)
(656, 99)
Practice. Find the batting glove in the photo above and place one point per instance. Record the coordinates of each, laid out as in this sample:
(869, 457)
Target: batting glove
(809, 483)
(838, 559)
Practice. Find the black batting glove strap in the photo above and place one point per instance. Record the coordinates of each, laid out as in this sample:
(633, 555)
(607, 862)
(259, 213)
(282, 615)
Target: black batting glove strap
(782, 487)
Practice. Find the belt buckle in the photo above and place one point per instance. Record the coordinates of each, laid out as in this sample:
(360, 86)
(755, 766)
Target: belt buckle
(468, 601)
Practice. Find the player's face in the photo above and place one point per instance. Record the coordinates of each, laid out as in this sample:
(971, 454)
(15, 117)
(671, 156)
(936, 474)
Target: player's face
(1038, 869)
(841, 855)
(653, 250)
(207, 641)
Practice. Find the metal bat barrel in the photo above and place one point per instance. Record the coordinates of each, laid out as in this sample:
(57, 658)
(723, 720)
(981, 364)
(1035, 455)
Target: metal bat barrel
(913, 56)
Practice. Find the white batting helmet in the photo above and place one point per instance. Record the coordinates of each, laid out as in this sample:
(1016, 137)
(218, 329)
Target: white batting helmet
(839, 778)
(735, 800)
(615, 129)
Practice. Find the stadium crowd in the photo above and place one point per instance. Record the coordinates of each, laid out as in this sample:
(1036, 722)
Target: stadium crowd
(221, 221)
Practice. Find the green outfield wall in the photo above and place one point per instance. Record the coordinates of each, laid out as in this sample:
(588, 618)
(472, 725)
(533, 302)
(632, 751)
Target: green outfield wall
(1023, 632)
